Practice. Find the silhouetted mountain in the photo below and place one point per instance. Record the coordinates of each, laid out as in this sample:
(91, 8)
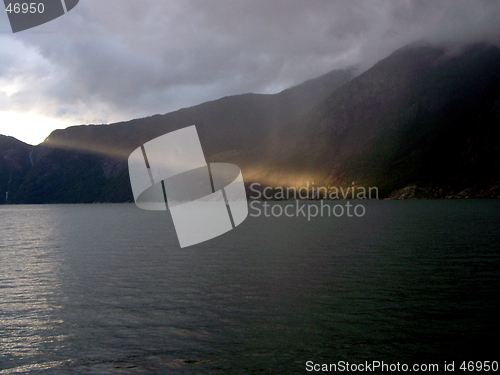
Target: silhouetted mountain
(423, 122)
(15, 162)
(89, 163)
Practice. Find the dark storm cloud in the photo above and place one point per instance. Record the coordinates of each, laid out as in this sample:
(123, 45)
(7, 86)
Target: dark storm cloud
(118, 59)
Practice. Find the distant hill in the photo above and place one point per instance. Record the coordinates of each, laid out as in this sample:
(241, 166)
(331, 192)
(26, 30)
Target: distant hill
(15, 163)
(420, 123)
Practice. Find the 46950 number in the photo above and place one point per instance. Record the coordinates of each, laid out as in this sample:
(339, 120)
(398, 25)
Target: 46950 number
(25, 8)
(479, 366)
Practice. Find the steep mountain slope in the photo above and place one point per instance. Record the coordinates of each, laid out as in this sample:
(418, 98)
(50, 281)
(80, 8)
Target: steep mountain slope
(417, 117)
(89, 163)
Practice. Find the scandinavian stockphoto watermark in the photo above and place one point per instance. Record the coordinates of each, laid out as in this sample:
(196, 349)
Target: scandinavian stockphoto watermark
(205, 200)
(267, 201)
(25, 15)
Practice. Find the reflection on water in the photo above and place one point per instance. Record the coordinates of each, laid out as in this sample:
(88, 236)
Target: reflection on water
(29, 287)
(106, 289)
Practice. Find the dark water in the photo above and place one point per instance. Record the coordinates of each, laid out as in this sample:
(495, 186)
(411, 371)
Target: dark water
(105, 289)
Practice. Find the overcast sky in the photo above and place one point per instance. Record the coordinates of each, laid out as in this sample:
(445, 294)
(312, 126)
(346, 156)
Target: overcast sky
(113, 60)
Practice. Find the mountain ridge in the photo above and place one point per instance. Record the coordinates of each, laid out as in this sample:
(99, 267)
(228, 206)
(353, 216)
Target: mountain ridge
(99, 153)
(403, 124)
(390, 135)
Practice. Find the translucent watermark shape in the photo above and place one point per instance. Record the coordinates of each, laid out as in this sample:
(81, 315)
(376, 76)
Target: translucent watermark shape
(24, 14)
(205, 200)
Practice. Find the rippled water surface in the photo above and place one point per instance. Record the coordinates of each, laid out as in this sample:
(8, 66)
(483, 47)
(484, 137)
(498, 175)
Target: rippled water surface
(105, 289)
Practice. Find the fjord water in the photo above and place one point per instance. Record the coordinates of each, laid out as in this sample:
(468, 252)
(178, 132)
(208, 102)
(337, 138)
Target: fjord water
(106, 289)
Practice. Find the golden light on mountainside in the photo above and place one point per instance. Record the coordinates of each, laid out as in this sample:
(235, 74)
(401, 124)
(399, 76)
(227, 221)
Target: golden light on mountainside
(291, 179)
